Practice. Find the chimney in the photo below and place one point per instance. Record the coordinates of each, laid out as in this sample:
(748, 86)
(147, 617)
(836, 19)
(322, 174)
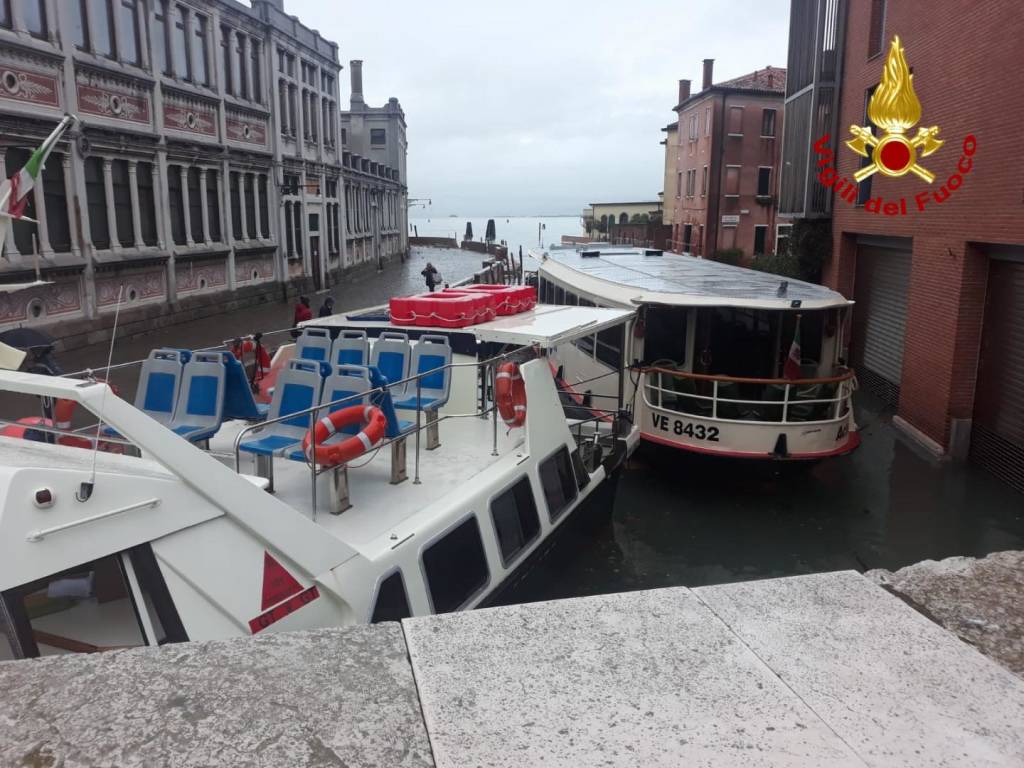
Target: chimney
(684, 90)
(709, 65)
(356, 70)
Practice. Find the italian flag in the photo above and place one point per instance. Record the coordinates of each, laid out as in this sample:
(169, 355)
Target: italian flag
(791, 370)
(14, 192)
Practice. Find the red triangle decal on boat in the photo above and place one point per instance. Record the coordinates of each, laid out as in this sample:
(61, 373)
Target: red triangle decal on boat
(278, 584)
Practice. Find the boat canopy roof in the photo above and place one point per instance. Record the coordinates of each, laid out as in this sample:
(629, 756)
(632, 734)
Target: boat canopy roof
(632, 276)
(545, 325)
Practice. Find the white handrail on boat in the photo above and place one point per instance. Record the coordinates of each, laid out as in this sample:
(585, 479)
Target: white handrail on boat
(39, 535)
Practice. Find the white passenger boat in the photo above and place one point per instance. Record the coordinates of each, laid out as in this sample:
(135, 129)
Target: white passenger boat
(728, 361)
(169, 533)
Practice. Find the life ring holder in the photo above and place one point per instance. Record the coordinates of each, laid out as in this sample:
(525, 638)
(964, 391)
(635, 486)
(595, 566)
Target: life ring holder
(373, 422)
(510, 395)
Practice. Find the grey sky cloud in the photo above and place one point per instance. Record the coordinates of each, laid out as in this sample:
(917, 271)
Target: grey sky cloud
(539, 107)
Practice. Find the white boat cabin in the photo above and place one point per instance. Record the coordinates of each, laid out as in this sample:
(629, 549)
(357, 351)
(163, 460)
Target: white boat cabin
(170, 532)
(709, 346)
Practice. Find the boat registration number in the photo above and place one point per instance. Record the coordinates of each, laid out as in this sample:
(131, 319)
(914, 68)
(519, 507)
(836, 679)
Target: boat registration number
(687, 428)
(288, 607)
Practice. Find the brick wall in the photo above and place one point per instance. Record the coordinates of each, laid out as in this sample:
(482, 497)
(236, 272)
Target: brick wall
(965, 68)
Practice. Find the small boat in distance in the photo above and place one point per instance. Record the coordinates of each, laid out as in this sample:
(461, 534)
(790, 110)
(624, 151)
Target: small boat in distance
(728, 361)
(398, 471)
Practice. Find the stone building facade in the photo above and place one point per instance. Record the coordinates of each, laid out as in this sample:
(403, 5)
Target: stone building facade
(206, 166)
(373, 163)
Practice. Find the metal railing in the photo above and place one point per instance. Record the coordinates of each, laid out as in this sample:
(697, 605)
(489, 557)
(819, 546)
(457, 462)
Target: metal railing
(487, 367)
(778, 401)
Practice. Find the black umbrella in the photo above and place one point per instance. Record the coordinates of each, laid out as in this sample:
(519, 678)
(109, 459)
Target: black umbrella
(26, 338)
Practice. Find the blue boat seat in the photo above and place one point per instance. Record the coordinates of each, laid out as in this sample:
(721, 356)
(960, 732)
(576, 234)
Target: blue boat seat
(430, 357)
(314, 344)
(199, 408)
(390, 356)
(347, 381)
(395, 427)
(159, 383)
(238, 400)
(297, 389)
(350, 348)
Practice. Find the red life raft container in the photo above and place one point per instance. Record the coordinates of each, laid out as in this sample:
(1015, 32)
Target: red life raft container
(447, 309)
(511, 299)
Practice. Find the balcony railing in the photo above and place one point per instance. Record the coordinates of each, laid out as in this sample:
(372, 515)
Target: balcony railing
(733, 398)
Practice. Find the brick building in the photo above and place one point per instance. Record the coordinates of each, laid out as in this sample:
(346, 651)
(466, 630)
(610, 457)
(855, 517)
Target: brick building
(938, 327)
(206, 168)
(727, 161)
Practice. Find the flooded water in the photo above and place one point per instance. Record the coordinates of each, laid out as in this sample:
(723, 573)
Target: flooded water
(514, 230)
(680, 521)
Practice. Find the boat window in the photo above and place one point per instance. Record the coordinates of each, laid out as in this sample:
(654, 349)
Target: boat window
(455, 567)
(571, 298)
(558, 482)
(515, 519)
(392, 601)
(585, 344)
(84, 609)
(609, 346)
(586, 302)
(665, 334)
(547, 292)
(559, 295)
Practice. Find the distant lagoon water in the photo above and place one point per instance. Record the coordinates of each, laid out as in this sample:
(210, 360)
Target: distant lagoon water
(514, 230)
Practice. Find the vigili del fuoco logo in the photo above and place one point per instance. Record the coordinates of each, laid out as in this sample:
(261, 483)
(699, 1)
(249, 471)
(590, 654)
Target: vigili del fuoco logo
(894, 109)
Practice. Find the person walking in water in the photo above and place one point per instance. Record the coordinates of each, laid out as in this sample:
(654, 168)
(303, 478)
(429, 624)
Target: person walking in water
(431, 275)
(327, 308)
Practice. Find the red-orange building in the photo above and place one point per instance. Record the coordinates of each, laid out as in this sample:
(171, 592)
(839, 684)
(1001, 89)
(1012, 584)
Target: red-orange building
(938, 276)
(729, 143)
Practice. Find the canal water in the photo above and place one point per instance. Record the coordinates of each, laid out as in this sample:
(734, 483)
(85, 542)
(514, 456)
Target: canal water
(516, 231)
(681, 521)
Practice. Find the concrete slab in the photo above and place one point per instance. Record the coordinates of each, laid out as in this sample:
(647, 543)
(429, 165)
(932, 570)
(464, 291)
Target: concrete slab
(335, 697)
(644, 678)
(898, 688)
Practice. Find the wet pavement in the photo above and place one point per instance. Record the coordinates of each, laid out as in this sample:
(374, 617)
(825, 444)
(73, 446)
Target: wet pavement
(366, 290)
(689, 521)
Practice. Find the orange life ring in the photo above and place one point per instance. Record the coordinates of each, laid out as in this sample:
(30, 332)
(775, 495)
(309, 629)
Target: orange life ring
(374, 424)
(510, 394)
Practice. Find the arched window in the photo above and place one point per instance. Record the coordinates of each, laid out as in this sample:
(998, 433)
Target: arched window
(604, 220)
(623, 218)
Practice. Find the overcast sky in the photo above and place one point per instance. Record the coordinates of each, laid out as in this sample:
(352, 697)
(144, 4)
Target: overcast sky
(540, 107)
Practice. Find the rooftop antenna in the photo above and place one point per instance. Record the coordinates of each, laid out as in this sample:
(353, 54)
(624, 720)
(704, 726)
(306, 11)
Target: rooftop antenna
(86, 488)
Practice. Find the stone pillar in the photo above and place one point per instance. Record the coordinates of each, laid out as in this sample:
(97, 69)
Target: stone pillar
(233, 58)
(108, 189)
(247, 56)
(69, 197)
(256, 205)
(282, 92)
(203, 201)
(133, 180)
(18, 18)
(227, 235)
(10, 249)
(241, 204)
(186, 205)
(161, 200)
